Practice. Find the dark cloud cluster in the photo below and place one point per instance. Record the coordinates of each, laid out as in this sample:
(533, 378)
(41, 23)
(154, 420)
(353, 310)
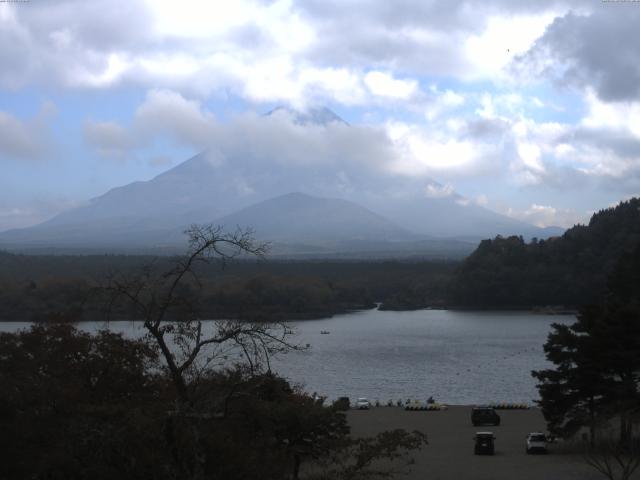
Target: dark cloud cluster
(425, 37)
(598, 50)
(67, 42)
(75, 43)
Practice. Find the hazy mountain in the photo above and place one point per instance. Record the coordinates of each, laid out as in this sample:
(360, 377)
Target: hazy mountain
(295, 224)
(239, 187)
(455, 216)
(304, 218)
(300, 224)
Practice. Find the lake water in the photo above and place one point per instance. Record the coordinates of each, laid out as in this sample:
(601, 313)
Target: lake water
(458, 357)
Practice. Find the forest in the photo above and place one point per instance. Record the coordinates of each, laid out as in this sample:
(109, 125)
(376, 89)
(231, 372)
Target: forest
(41, 288)
(569, 271)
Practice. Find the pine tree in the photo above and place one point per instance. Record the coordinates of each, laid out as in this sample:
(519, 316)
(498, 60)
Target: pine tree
(597, 360)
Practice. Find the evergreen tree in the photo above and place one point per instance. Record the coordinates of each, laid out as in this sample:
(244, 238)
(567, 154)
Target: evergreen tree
(597, 360)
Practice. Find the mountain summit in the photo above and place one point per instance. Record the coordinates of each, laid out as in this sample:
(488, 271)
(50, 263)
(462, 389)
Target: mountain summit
(310, 116)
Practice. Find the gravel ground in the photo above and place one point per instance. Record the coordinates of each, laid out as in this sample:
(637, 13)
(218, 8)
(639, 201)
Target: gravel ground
(449, 454)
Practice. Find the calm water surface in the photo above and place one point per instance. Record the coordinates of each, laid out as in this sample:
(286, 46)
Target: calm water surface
(459, 357)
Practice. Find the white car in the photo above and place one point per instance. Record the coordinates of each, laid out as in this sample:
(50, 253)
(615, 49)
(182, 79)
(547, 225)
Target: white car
(363, 404)
(536, 443)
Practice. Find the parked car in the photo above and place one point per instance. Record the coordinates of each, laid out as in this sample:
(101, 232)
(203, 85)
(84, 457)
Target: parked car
(536, 443)
(484, 416)
(363, 404)
(342, 403)
(484, 443)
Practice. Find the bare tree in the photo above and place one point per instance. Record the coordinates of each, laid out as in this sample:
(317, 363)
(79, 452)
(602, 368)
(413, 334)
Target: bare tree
(615, 460)
(166, 303)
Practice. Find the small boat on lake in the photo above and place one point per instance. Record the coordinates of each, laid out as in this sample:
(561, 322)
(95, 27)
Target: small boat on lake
(325, 332)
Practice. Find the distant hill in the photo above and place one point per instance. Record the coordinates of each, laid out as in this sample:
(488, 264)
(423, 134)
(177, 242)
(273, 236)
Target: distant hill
(456, 217)
(305, 218)
(570, 270)
(303, 225)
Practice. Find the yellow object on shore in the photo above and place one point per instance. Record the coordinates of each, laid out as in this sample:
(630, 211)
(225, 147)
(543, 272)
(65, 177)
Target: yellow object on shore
(419, 407)
(509, 406)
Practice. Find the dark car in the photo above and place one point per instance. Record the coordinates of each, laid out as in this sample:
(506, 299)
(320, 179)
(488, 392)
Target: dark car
(484, 416)
(343, 403)
(484, 443)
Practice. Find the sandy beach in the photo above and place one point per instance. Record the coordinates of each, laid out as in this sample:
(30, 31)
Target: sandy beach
(449, 454)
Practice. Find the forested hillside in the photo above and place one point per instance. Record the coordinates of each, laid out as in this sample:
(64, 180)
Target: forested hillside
(67, 287)
(570, 270)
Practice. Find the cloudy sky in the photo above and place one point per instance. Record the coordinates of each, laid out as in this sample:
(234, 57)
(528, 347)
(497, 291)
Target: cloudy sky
(528, 108)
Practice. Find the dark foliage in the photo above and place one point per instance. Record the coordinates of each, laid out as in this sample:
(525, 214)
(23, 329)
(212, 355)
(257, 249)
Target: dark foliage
(46, 288)
(77, 406)
(612, 459)
(597, 361)
(571, 270)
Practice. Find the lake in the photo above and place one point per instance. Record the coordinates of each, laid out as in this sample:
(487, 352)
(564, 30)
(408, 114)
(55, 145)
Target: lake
(458, 357)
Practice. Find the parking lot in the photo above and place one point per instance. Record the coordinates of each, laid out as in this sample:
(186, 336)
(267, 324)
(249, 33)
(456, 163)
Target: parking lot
(449, 454)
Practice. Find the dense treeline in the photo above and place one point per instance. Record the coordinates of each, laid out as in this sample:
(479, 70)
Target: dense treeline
(570, 270)
(50, 287)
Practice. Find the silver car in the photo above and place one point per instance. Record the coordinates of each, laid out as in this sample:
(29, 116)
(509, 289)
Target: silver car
(363, 404)
(536, 443)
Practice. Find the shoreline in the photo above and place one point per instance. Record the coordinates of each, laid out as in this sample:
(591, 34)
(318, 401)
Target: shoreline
(312, 316)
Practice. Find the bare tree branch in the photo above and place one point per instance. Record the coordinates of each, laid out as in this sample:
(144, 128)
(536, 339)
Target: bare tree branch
(170, 317)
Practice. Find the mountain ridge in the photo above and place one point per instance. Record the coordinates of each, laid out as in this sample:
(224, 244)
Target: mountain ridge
(212, 186)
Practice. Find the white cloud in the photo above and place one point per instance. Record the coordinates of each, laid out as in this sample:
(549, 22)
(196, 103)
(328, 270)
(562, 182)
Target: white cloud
(434, 190)
(436, 151)
(482, 200)
(26, 139)
(263, 51)
(15, 214)
(504, 38)
(385, 85)
(443, 103)
(623, 115)
(108, 138)
(547, 216)
(432, 154)
(340, 84)
(451, 99)
(168, 113)
(163, 114)
(530, 156)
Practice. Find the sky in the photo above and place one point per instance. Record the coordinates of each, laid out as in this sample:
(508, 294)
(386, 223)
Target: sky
(531, 109)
